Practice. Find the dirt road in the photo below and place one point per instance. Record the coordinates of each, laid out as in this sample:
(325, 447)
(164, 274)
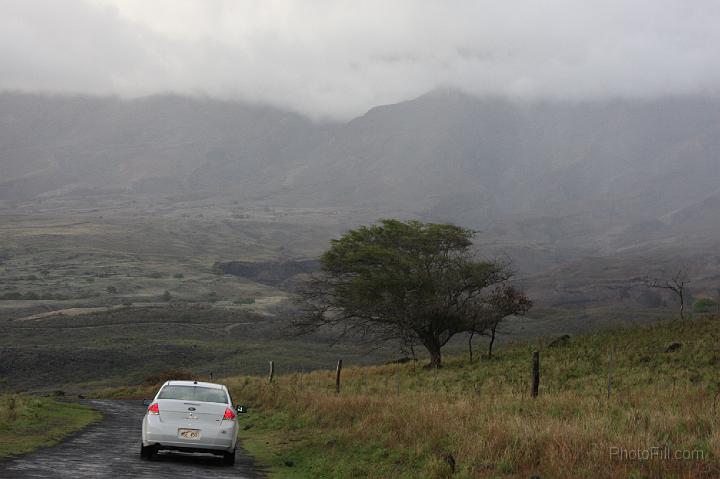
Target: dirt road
(111, 449)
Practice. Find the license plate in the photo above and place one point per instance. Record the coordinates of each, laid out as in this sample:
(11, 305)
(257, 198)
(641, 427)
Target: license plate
(189, 433)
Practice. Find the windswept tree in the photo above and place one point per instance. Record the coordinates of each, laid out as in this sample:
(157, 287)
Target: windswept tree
(677, 284)
(487, 312)
(410, 282)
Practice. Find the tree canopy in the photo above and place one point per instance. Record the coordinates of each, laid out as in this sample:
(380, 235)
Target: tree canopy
(409, 281)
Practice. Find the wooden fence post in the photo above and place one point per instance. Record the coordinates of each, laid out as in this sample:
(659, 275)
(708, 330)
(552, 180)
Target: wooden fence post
(397, 381)
(610, 364)
(272, 372)
(535, 373)
(337, 375)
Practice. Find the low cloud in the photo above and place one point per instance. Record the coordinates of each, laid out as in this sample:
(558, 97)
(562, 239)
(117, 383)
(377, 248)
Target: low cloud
(336, 59)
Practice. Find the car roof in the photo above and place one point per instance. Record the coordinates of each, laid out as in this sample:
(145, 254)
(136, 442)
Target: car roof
(195, 383)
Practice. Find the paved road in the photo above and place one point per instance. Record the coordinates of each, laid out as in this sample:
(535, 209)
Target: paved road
(111, 449)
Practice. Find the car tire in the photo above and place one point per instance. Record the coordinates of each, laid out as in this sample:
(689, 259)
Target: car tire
(229, 458)
(147, 452)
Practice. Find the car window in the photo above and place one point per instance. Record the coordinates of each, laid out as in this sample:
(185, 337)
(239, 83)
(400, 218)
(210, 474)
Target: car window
(193, 393)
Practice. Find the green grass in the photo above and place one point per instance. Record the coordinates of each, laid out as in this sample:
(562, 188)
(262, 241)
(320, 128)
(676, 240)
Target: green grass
(310, 452)
(27, 423)
(480, 416)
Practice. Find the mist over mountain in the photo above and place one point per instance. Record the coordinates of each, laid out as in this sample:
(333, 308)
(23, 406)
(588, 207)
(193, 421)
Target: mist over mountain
(55, 145)
(444, 155)
(548, 184)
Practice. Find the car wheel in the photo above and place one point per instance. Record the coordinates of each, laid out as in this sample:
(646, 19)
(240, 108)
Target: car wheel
(229, 458)
(146, 452)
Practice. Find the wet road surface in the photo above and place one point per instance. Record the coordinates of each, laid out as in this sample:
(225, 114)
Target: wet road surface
(111, 449)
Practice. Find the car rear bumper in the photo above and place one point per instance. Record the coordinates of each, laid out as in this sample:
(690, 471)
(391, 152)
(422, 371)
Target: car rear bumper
(193, 449)
(165, 436)
(186, 447)
(166, 441)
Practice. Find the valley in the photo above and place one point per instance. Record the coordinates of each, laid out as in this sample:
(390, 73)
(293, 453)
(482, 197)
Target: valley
(168, 232)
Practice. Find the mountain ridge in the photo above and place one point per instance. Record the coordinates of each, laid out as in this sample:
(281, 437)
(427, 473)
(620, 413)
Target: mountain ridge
(579, 178)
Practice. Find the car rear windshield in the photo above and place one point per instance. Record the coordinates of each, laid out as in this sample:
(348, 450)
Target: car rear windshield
(193, 393)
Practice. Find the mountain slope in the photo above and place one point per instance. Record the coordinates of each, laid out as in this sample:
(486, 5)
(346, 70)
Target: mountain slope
(156, 144)
(598, 176)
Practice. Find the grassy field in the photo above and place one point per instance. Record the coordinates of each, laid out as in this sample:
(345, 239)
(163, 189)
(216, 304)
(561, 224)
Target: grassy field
(478, 421)
(27, 423)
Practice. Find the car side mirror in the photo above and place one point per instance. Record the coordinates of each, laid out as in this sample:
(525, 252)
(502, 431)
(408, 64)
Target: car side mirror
(241, 409)
(146, 402)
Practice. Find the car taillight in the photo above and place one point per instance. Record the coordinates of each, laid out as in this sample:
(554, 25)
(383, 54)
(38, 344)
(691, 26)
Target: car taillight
(154, 409)
(229, 414)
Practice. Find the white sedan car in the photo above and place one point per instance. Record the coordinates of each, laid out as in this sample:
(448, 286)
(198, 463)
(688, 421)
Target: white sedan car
(191, 416)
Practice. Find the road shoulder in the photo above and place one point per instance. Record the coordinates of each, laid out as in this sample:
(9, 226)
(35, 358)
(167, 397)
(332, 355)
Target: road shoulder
(28, 422)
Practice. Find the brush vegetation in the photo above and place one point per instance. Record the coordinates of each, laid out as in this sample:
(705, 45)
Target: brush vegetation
(476, 420)
(29, 422)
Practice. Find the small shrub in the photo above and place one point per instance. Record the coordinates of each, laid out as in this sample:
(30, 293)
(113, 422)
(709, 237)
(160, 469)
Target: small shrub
(112, 289)
(705, 305)
(244, 301)
(56, 297)
(506, 467)
(167, 375)
(178, 276)
(11, 296)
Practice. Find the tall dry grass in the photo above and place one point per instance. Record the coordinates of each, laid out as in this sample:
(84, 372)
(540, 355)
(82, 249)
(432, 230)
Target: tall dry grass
(477, 420)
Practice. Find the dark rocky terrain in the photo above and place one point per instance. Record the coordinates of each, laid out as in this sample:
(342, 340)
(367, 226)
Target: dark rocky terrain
(273, 273)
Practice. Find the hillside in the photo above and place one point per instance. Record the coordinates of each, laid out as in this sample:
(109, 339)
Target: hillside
(161, 144)
(625, 160)
(612, 171)
(476, 420)
(108, 203)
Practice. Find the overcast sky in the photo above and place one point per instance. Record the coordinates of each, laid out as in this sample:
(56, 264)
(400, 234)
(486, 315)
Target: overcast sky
(338, 58)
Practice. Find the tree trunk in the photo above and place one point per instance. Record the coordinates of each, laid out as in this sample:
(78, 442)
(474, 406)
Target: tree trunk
(535, 374)
(682, 305)
(435, 360)
(433, 346)
(470, 351)
(492, 341)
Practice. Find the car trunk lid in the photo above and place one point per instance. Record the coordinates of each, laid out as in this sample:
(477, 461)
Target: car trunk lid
(191, 414)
